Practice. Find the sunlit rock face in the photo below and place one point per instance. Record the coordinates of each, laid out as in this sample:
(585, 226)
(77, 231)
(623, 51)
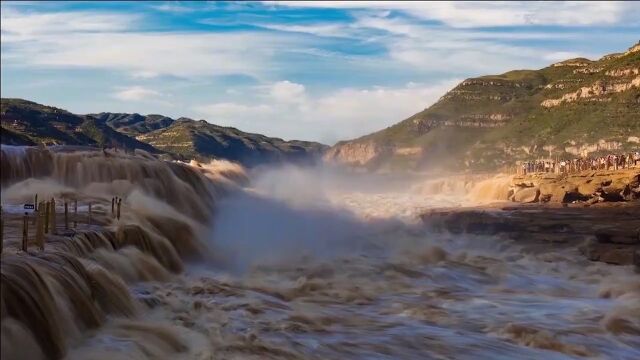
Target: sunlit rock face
(356, 154)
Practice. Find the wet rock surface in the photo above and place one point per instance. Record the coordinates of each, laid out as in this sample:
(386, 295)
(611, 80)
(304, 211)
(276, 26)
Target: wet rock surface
(527, 195)
(603, 232)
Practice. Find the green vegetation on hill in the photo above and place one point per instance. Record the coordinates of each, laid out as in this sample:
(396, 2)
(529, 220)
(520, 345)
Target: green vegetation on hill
(196, 139)
(491, 121)
(28, 123)
(134, 124)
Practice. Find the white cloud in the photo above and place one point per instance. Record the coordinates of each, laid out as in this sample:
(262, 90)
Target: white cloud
(174, 7)
(95, 40)
(286, 91)
(178, 54)
(346, 113)
(471, 57)
(228, 112)
(104, 41)
(493, 13)
(470, 51)
(136, 93)
(335, 30)
(20, 26)
(361, 111)
(144, 74)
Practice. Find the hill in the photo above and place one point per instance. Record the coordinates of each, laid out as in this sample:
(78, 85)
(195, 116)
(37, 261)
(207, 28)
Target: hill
(134, 124)
(574, 107)
(196, 139)
(28, 123)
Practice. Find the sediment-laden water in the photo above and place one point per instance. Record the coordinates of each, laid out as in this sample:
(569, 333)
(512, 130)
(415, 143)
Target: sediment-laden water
(297, 265)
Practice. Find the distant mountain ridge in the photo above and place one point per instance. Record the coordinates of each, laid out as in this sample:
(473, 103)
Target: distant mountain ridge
(190, 138)
(572, 107)
(28, 123)
(134, 124)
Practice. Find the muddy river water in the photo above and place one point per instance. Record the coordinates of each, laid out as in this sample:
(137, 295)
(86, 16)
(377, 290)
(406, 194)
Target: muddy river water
(301, 267)
(360, 279)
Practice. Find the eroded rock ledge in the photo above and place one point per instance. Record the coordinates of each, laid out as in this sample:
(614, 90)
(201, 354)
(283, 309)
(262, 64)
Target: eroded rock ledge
(588, 187)
(608, 232)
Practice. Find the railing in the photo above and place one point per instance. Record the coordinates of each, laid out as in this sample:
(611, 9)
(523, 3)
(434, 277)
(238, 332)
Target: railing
(610, 162)
(44, 220)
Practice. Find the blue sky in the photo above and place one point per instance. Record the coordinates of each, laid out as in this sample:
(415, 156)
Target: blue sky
(321, 71)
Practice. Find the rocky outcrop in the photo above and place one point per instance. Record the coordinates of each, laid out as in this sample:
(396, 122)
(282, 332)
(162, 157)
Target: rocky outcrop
(573, 62)
(588, 70)
(623, 72)
(611, 254)
(564, 83)
(479, 120)
(635, 48)
(616, 244)
(353, 153)
(601, 145)
(482, 82)
(591, 187)
(607, 234)
(611, 56)
(408, 151)
(594, 92)
(527, 195)
(587, 188)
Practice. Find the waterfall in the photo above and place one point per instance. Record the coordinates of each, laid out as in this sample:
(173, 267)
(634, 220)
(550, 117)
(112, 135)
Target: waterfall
(49, 298)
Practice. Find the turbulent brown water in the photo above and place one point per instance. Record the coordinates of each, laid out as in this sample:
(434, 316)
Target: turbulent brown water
(299, 264)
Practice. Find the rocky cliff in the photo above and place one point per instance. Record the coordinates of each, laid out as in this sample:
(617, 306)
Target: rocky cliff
(574, 107)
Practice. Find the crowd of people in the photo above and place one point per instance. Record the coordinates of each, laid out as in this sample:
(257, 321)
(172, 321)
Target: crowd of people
(556, 166)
